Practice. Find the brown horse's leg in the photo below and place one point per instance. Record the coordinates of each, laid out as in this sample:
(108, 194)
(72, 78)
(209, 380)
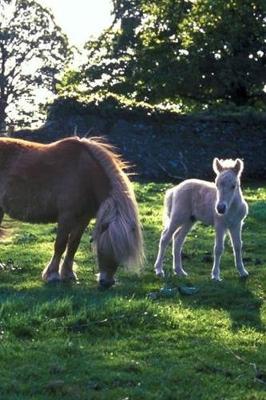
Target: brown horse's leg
(66, 270)
(1, 215)
(50, 273)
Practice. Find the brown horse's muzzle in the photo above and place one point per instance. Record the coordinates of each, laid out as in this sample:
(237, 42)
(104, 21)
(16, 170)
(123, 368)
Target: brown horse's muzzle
(106, 284)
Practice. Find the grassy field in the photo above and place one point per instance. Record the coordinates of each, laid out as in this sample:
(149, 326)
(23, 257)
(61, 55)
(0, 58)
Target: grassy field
(66, 341)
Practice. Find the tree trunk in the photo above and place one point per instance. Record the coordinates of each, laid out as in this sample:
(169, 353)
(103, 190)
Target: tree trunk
(240, 96)
(3, 115)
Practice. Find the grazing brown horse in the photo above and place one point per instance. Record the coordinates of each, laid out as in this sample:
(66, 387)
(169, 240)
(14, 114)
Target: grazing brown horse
(70, 182)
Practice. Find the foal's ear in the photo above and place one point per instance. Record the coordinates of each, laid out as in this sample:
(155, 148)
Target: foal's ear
(217, 166)
(239, 166)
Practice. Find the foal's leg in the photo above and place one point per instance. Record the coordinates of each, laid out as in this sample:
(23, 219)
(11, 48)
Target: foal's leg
(50, 273)
(178, 241)
(218, 250)
(164, 240)
(235, 235)
(66, 270)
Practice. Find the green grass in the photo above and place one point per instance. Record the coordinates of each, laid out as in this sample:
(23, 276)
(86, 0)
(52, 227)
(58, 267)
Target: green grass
(68, 341)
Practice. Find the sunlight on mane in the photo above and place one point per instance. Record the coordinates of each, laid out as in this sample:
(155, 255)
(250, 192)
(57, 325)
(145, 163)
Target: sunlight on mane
(228, 163)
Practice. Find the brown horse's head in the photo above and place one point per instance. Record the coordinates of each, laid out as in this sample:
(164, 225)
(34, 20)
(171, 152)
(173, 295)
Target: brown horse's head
(117, 238)
(107, 268)
(117, 235)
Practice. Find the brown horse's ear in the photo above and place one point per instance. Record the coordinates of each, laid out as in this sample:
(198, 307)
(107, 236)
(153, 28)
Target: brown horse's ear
(239, 166)
(217, 166)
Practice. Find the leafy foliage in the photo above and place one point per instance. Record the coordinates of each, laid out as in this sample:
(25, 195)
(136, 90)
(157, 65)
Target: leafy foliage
(187, 51)
(33, 50)
(226, 50)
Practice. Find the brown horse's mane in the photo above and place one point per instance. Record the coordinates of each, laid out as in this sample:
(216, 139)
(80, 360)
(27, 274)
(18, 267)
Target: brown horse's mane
(121, 202)
(110, 160)
(110, 151)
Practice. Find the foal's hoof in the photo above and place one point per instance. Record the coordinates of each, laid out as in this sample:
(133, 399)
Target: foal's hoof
(51, 278)
(244, 276)
(160, 274)
(216, 278)
(180, 272)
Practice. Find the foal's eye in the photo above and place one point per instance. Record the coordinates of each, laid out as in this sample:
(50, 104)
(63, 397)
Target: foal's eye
(233, 187)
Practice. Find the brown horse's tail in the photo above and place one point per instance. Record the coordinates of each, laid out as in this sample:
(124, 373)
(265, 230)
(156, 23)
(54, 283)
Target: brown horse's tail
(118, 231)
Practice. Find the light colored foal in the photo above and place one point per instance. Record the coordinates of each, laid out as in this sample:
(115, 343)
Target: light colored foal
(220, 204)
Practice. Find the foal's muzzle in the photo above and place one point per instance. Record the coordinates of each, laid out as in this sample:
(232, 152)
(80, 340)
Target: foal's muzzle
(221, 208)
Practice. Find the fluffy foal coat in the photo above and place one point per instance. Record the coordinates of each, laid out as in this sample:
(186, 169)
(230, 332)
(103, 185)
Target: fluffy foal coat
(70, 182)
(220, 204)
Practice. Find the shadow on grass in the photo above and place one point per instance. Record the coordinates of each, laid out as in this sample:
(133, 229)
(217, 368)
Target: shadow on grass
(233, 296)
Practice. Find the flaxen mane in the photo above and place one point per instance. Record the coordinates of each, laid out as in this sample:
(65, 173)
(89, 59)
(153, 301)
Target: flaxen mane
(117, 229)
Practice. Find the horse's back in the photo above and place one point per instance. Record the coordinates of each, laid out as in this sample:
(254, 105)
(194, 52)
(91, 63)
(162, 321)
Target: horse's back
(193, 187)
(40, 182)
(195, 199)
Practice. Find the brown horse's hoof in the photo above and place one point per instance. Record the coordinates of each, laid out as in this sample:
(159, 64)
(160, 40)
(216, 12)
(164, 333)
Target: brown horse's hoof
(104, 285)
(51, 278)
(68, 277)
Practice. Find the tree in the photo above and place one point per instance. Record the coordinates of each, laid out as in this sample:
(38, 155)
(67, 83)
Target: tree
(141, 40)
(225, 51)
(33, 50)
(204, 51)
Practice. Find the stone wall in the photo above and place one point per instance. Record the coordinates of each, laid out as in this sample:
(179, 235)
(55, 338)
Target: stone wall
(162, 145)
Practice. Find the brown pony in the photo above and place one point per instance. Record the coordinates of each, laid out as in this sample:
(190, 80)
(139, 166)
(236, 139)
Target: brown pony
(70, 182)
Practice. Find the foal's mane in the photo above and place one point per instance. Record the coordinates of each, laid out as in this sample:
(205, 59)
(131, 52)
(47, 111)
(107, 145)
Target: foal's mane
(228, 163)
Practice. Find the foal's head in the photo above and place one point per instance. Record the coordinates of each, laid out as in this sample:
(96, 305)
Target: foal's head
(227, 182)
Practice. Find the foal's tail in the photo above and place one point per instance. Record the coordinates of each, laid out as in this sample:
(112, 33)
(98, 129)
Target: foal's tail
(117, 234)
(168, 202)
